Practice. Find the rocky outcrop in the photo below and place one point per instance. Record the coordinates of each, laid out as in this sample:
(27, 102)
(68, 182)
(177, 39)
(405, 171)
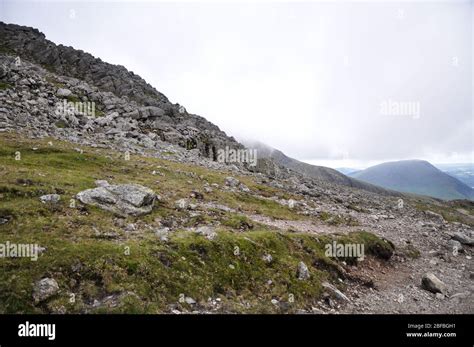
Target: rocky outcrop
(127, 105)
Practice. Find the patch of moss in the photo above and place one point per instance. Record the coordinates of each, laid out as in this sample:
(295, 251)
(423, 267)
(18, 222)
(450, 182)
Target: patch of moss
(238, 222)
(332, 219)
(6, 50)
(60, 124)
(450, 213)
(73, 98)
(410, 251)
(4, 85)
(99, 113)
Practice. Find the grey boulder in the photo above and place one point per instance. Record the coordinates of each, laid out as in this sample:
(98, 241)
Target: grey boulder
(432, 283)
(44, 289)
(121, 199)
(231, 181)
(335, 292)
(63, 92)
(303, 271)
(464, 239)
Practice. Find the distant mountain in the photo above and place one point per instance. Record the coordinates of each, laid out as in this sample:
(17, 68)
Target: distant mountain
(418, 177)
(347, 170)
(463, 172)
(313, 171)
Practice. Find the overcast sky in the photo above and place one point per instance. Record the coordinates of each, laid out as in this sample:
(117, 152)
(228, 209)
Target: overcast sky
(337, 84)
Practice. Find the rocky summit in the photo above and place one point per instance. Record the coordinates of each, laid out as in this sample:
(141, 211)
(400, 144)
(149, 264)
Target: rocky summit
(132, 211)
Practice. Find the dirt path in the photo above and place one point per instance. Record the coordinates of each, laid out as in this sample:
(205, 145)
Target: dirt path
(397, 285)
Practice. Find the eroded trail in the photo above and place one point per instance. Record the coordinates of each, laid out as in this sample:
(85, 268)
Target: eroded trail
(396, 286)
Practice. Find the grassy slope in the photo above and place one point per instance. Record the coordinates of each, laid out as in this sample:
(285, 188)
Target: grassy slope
(86, 249)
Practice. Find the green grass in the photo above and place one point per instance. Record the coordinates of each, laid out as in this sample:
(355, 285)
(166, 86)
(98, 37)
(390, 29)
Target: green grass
(450, 210)
(238, 222)
(4, 85)
(91, 265)
(6, 50)
(73, 98)
(333, 219)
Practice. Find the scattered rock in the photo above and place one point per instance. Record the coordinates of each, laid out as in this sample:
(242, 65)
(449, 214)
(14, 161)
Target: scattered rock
(163, 233)
(130, 227)
(267, 258)
(231, 181)
(431, 283)
(197, 195)
(464, 239)
(455, 245)
(50, 198)
(335, 292)
(190, 301)
(114, 300)
(303, 271)
(434, 215)
(206, 231)
(44, 289)
(244, 188)
(182, 204)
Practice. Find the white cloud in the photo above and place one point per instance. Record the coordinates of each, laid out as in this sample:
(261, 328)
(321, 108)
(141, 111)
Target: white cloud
(306, 78)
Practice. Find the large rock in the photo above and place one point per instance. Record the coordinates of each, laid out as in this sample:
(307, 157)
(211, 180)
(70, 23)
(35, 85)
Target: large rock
(303, 271)
(63, 92)
(231, 181)
(335, 292)
(432, 283)
(434, 215)
(464, 239)
(455, 245)
(44, 289)
(151, 111)
(122, 199)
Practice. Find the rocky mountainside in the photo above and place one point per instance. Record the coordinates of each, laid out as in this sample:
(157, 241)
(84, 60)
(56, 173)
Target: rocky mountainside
(418, 177)
(130, 211)
(317, 172)
(122, 96)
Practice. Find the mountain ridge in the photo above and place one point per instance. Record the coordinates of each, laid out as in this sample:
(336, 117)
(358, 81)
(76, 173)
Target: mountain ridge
(314, 171)
(416, 176)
